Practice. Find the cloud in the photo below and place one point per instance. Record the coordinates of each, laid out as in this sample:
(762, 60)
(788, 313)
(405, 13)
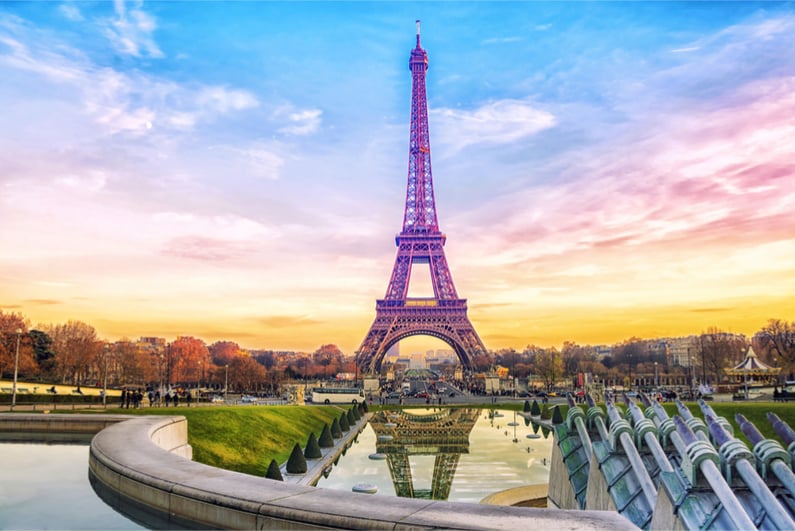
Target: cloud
(43, 302)
(289, 321)
(131, 32)
(71, 12)
(132, 102)
(500, 40)
(258, 159)
(301, 122)
(221, 99)
(497, 122)
(208, 249)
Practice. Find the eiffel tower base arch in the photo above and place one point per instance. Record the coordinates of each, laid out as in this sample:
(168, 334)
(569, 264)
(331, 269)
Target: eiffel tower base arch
(398, 319)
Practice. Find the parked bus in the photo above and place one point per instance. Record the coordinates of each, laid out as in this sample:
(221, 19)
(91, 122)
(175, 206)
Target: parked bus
(337, 395)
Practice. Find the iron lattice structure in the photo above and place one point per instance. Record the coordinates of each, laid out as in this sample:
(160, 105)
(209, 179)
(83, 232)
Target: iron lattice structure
(443, 316)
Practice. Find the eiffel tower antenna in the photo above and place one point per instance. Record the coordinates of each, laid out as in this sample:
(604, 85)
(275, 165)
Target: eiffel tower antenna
(443, 316)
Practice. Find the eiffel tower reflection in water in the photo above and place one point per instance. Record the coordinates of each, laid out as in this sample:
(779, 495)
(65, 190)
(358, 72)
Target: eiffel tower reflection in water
(443, 434)
(488, 461)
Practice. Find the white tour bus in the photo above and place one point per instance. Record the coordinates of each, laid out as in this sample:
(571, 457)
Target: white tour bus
(337, 395)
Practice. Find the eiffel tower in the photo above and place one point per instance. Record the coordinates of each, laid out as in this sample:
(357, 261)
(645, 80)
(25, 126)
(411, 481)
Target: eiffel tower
(443, 316)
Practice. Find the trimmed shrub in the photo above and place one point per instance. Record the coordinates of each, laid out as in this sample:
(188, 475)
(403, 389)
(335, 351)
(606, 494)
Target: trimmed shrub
(344, 424)
(355, 413)
(350, 418)
(535, 409)
(364, 407)
(336, 431)
(274, 472)
(326, 440)
(557, 416)
(296, 464)
(526, 407)
(546, 412)
(312, 450)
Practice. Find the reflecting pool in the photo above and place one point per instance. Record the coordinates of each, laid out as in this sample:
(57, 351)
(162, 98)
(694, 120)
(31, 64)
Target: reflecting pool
(457, 454)
(45, 486)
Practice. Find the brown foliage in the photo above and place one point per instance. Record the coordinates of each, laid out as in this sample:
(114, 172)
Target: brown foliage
(9, 324)
(186, 357)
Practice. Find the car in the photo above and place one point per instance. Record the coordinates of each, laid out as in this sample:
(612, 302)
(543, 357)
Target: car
(394, 394)
(422, 394)
(217, 399)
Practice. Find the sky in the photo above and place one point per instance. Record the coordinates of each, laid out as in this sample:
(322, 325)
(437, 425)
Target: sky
(237, 170)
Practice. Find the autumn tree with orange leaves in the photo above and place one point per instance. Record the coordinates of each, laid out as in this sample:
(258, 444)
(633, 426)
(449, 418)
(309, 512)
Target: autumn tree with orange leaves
(9, 324)
(186, 358)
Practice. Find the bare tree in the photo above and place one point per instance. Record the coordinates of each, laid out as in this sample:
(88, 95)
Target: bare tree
(778, 337)
(719, 350)
(549, 366)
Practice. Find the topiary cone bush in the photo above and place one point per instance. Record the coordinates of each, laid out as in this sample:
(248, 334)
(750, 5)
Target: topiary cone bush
(326, 440)
(535, 409)
(312, 450)
(296, 464)
(355, 412)
(336, 431)
(557, 416)
(526, 407)
(351, 419)
(344, 425)
(364, 407)
(274, 472)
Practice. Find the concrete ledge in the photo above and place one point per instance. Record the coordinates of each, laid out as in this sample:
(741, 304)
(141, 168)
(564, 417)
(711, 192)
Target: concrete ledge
(138, 463)
(211, 497)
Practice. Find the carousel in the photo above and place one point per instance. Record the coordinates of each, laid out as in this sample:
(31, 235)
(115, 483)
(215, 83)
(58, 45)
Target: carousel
(752, 372)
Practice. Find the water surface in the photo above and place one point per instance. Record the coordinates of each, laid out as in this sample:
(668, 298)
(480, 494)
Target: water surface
(494, 462)
(45, 486)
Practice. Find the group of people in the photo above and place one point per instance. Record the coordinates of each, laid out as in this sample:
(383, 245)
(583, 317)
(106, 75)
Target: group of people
(135, 398)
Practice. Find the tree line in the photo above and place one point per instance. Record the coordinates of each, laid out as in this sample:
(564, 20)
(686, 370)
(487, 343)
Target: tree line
(72, 353)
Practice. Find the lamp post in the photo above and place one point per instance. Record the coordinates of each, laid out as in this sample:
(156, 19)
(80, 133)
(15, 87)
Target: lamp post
(656, 380)
(16, 370)
(105, 378)
(226, 380)
(160, 374)
(630, 370)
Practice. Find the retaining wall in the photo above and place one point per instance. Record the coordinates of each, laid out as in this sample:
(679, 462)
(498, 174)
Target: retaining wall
(141, 463)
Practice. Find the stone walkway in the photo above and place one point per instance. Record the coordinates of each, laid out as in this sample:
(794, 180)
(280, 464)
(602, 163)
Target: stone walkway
(315, 467)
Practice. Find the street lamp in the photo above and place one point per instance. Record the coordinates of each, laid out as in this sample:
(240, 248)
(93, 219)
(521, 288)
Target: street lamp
(16, 370)
(105, 378)
(656, 380)
(630, 370)
(226, 380)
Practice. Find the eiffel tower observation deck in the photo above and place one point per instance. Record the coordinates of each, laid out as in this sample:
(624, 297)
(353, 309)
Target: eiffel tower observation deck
(443, 316)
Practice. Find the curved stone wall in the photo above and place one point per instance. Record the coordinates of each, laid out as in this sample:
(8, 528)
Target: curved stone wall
(141, 462)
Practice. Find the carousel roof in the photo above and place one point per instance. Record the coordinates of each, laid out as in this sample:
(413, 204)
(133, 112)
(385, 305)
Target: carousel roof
(751, 365)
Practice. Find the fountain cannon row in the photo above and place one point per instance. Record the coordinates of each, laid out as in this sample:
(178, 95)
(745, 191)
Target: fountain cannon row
(662, 471)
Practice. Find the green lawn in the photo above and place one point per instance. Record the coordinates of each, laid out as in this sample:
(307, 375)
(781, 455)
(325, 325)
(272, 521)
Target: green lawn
(246, 438)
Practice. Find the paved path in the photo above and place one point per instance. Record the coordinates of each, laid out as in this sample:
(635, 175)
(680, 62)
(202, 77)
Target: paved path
(315, 467)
